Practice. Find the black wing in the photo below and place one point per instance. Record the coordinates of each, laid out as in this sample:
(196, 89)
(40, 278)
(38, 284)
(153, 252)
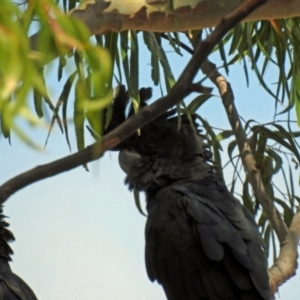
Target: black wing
(202, 244)
(12, 287)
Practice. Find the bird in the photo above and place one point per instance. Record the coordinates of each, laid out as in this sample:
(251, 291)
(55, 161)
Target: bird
(12, 287)
(201, 243)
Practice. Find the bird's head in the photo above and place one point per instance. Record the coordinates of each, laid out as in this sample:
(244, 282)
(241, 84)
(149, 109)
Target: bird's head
(162, 153)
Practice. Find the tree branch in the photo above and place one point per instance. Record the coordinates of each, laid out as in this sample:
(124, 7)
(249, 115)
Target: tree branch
(286, 263)
(149, 113)
(101, 16)
(116, 15)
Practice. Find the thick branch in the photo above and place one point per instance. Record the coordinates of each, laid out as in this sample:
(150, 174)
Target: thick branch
(116, 15)
(181, 89)
(101, 16)
(286, 263)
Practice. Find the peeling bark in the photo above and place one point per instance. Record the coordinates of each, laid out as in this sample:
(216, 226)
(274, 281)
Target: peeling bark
(116, 15)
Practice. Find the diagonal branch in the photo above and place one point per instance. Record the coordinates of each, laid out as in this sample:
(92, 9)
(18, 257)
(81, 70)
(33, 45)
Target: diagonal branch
(149, 113)
(286, 263)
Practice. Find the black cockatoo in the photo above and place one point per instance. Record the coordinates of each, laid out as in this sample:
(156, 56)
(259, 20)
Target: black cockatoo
(201, 243)
(12, 287)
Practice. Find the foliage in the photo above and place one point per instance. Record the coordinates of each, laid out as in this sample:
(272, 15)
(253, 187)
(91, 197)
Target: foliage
(22, 61)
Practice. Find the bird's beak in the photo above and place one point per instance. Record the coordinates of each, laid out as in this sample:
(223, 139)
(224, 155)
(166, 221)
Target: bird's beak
(127, 159)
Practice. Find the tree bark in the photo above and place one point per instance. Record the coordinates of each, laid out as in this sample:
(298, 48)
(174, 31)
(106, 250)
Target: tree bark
(101, 16)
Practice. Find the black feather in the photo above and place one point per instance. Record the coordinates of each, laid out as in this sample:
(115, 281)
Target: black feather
(12, 287)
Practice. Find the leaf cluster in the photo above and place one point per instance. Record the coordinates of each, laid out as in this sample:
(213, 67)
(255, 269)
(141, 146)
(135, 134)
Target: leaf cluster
(22, 61)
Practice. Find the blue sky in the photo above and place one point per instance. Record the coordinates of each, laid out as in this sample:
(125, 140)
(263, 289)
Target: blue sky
(79, 234)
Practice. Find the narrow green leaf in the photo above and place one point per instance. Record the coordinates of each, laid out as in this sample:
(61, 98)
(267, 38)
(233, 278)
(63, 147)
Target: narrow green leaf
(62, 98)
(38, 103)
(125, 57)
(223, 135)
(61, 64)
(245, 70)
(163, 59)
(287, 212)
(134, 67)
(5, 122)
(260, 149)
(151, 45)
(277, 158)
(235, 58)
(254, 65)
(291, 196)
(111, 42)
(247, 201)
(198, 102)
(230, 148)
(118, 64)
(79, 114)
(223, 56)
(289, 136)
(247, 125)
(297, 108)
(285, 181)
(175, 42)
(237, 34)
(262, 220)
(38, 97)
(278, 138)
(65, 123)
